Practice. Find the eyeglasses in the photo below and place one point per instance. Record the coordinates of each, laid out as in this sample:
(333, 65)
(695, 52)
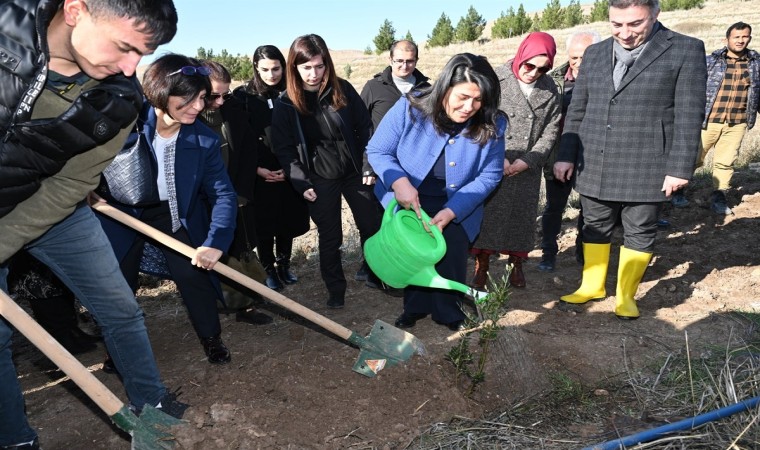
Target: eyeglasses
(214, 96)
(531, 67)
(192, 70)
(402, 62)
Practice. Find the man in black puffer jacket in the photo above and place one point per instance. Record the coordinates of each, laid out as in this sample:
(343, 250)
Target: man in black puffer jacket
(68, 100)
(400, 77)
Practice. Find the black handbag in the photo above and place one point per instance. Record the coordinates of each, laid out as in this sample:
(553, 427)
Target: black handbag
(130, 179)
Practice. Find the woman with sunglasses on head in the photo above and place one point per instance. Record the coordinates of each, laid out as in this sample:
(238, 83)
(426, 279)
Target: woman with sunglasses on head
(320, 128)
(532, 103)
(442, 150)
(197, 201)
(280, 212)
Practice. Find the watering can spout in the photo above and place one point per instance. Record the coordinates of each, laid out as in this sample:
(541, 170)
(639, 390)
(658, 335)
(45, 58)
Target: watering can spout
(428, 277)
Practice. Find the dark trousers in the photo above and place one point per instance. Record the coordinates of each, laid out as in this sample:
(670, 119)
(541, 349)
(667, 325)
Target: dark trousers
(445, 306)
(326, 214)
(639, 222)
(557, 194)
(194, 284)
(273, 248)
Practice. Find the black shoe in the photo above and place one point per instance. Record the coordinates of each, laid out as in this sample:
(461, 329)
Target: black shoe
(215, 349)
(361, 274)
(273, 281)
(34, 445)
(253, 317)
(408, 320)
(456, 326)
(284, 273)
(719, 203)
(373, 282)
(168, 405)
(547, 264)
(109, 366)
(336, 300)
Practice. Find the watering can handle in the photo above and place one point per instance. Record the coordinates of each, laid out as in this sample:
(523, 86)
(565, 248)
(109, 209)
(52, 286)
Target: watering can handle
(434, 230)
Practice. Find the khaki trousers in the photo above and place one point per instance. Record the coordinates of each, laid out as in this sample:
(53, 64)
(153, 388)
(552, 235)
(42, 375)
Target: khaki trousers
(726, 139)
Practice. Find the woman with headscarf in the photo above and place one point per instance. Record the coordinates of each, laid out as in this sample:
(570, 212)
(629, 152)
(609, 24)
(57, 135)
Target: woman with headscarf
(531, 101)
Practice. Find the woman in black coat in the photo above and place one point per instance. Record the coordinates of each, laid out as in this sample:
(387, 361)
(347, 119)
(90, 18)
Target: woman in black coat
(320, 129)
(280, 212)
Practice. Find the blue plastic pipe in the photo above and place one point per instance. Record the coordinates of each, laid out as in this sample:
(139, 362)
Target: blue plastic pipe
(654, 433)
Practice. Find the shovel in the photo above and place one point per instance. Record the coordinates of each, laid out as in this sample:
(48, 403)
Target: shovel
(149, 431)
(385, 345)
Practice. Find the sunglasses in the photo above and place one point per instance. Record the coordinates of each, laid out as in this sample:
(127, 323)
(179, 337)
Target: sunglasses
(531, 67)
(214, 96)
(192, 70)
(402, 62)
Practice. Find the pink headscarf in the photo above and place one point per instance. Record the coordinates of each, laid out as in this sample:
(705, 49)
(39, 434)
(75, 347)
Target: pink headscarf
(534, 44)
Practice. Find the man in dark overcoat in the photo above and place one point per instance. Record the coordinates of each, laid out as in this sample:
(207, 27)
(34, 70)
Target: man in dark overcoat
(632, 137)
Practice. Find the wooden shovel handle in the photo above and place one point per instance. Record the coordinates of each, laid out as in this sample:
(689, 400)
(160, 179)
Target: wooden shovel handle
(225, 270)
(91, 386)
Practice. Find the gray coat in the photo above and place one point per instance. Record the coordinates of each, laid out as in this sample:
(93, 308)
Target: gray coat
(510, 212)
(624, 142)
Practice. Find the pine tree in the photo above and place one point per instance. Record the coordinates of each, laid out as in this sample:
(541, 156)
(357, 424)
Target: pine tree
(408, 36)
(551, 16)
(523, 23)
(385, 37)
(573, 14)
(536, 23)
(511, 23)
(443, 33)
(503, 26)
(600, 12)
(470, 27)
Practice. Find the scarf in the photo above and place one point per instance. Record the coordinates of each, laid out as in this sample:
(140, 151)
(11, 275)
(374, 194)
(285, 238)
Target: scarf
(624, 59)
(534, 44)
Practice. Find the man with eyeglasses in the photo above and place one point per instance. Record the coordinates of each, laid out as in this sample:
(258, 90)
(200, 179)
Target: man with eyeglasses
(631, 139)
(399, 78)
(558, 192)
(381, 93)
(69, 100)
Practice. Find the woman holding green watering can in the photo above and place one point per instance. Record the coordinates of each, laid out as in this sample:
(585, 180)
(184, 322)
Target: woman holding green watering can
(442, 150)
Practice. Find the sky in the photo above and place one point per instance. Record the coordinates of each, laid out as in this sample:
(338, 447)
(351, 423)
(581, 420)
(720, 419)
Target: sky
(239, 26)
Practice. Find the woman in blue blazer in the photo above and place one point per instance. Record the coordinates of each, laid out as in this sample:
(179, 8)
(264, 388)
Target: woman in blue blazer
(442, 150)
(197, 201)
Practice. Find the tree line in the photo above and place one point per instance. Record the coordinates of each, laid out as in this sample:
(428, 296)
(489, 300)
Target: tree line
(469, 28)
(514, 22)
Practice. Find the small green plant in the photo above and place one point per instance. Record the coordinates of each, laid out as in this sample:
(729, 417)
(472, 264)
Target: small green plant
(565, 388)
(471, 364)
(348, 70)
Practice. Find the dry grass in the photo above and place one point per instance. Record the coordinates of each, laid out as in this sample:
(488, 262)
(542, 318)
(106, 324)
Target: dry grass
(681, 386)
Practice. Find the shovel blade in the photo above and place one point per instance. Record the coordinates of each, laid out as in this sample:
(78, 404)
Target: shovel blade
(385, 346)
(150, 431)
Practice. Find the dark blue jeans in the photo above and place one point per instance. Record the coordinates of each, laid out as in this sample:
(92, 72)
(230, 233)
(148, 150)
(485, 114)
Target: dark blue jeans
(79, 253)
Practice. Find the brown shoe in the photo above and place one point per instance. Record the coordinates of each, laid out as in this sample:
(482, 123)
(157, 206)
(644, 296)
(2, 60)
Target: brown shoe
(516, 277)
(481, 271)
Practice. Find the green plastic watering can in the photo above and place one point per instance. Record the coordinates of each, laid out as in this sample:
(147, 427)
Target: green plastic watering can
(404, 253)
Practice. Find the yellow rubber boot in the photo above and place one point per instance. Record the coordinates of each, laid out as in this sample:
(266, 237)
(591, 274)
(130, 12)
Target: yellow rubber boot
(596, 257)
(633, 263)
